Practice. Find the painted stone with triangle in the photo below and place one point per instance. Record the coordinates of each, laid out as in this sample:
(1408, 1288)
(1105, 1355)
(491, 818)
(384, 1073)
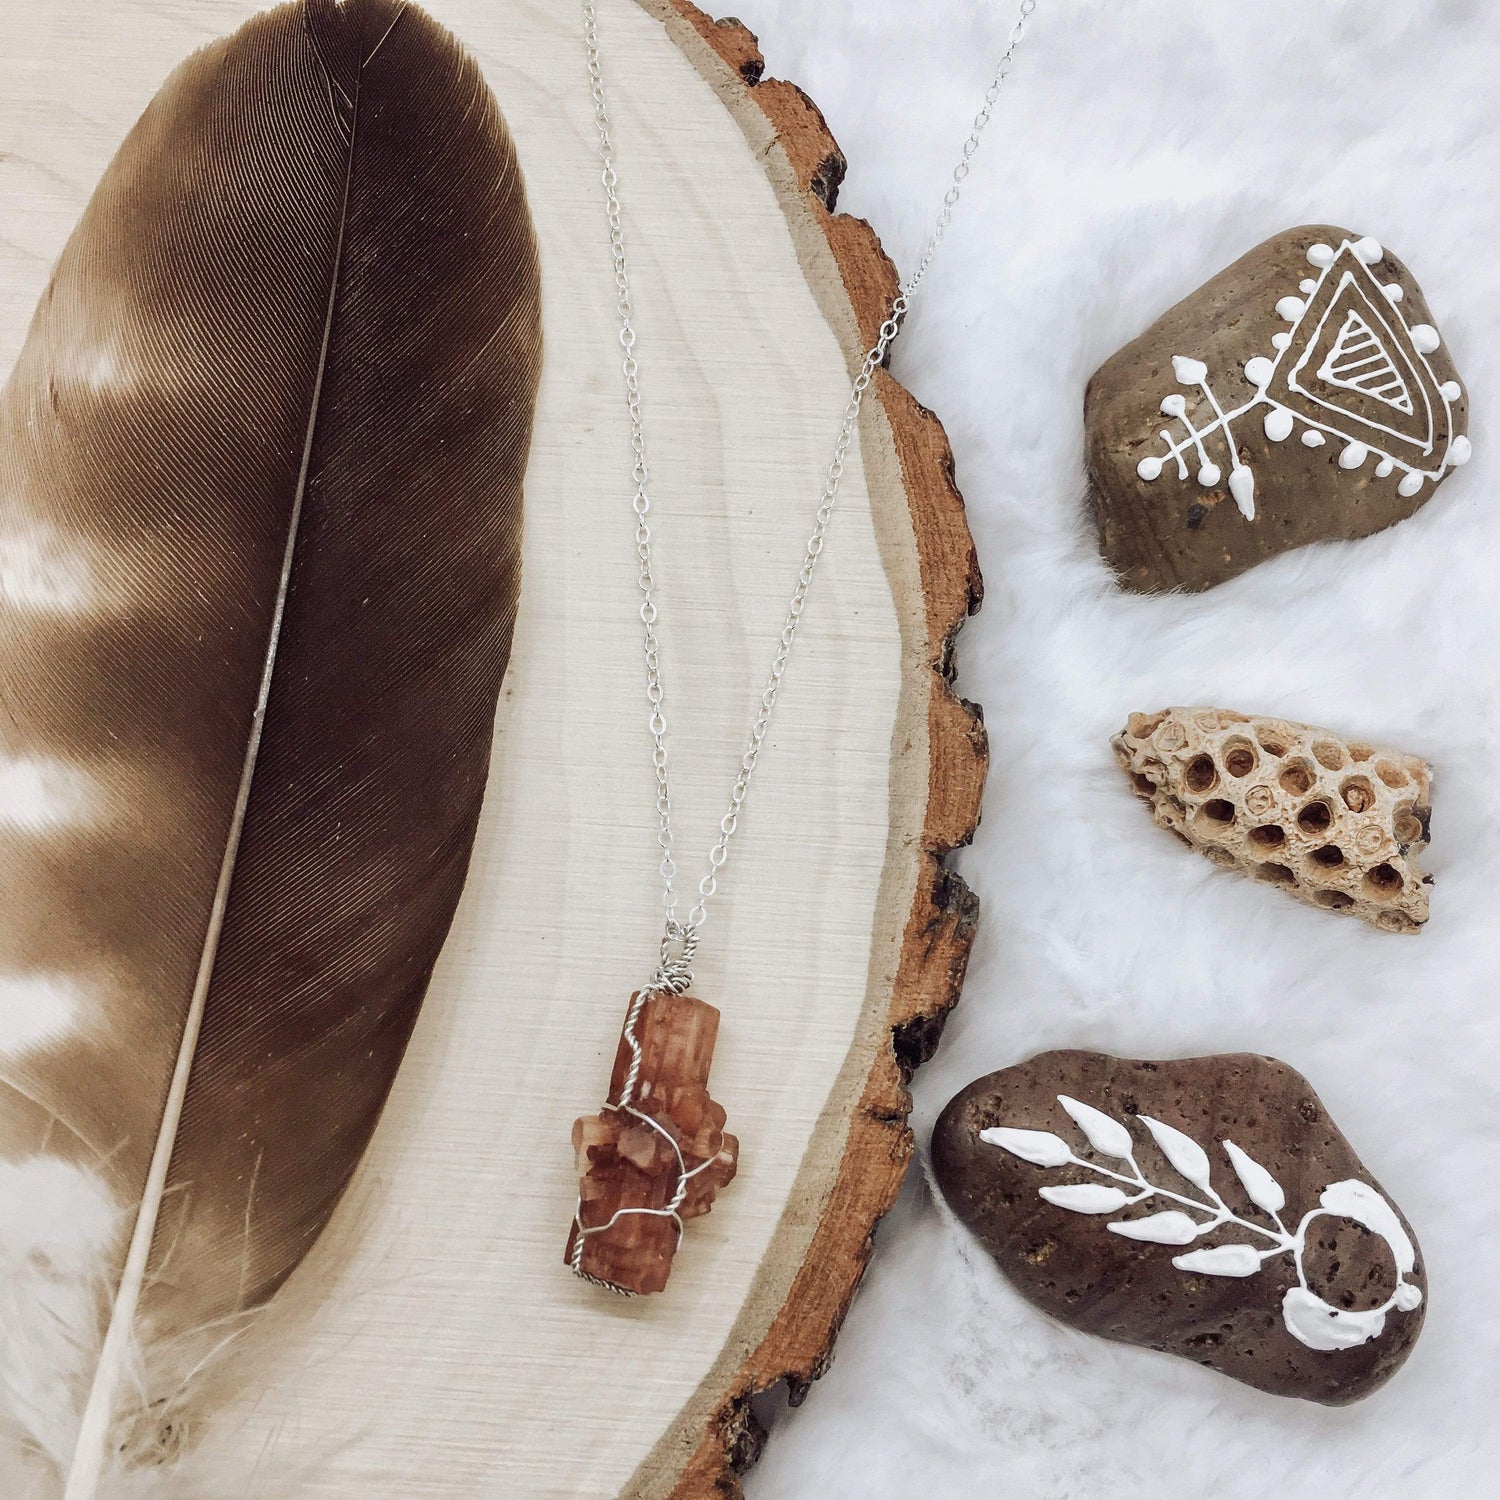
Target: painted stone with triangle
(1303, 394)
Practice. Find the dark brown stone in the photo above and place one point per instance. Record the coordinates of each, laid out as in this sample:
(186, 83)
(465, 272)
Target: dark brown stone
(1345, 385)
(1070, 1263)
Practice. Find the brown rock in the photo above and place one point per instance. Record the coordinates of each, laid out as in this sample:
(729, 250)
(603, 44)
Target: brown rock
(1301, 394)
(1237, 1229)
(657, 1154)
(1336, 823)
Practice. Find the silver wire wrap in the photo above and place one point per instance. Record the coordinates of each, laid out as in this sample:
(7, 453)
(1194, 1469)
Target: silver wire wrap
(680, 938)
(674, 976)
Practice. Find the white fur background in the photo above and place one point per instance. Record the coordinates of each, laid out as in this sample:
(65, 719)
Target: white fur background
(1137, 150)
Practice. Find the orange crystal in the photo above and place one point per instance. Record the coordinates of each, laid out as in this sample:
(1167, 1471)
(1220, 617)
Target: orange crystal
(626, 1163)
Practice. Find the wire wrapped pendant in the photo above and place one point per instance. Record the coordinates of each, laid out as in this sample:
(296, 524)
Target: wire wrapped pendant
(656, 1153)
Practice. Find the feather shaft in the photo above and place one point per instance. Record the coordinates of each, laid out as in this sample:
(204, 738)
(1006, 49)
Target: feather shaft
(261, 461)
(87, 1468)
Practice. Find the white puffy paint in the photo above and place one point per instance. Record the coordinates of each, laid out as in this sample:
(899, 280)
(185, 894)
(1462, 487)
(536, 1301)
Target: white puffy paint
(1278, 424)
(38, 795)
(36, 1010)
(1242, 487)
(1307, 1317)
(1325, 1328)
(1366, 367)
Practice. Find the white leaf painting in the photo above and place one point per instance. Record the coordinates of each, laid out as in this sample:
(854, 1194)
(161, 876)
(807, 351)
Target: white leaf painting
(1360, 1202)
(1104, 1134)
(1086, 1198)
(1320, 1326)
(1170, 1228)
(1261, 1188)
(1185, 1154)
(1040, 1147)
(1222, 1260)
(1312, 1321)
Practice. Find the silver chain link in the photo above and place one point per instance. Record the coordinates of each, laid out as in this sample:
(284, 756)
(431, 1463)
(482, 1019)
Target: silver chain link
(680, 937)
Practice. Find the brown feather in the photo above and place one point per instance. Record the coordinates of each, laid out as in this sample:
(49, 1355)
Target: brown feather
(289, 358)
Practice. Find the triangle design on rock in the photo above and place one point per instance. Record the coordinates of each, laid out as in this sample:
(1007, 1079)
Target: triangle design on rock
(1358, 361)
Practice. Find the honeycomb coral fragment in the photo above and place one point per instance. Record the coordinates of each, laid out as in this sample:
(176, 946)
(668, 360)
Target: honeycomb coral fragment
(1338, 823)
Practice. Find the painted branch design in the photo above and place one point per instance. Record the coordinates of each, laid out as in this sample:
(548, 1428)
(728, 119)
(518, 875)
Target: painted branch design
(1308, 1317)
(1349, 368)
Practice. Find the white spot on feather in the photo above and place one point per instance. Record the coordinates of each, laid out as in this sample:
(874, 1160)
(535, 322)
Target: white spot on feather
(103, 370)
(59, 1234)
(36, 1009)
(38, 795)
(38, 571)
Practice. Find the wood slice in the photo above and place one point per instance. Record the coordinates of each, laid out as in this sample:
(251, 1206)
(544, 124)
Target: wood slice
(433, 1343)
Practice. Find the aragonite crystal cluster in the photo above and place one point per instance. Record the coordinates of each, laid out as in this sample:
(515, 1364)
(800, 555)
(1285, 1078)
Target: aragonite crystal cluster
(657, 1154)
(1338, 823)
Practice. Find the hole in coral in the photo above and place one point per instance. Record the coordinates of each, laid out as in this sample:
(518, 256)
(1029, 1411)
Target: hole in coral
(1239, 756)
(1201, 774)
(1358, 794)
(1217, 810)
(1360, 752)
(1390, 773)
(1335, 900)
(1298, 778)
(1397, 921)
(1316, 817)
(1330, 856)
(1328, 753)
(1383, 882)
(1143, 726)
(1271, 741)
(1270, 836)
(1277, 874)
(1144, 784)
(1410, 828)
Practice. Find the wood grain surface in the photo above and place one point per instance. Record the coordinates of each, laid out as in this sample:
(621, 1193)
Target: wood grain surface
(433, 1345)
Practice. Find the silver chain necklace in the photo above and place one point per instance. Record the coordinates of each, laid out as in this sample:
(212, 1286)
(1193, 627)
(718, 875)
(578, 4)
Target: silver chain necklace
(679, 943)
(683, 935)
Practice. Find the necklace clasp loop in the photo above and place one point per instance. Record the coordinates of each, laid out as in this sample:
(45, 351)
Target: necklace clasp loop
(679, 945)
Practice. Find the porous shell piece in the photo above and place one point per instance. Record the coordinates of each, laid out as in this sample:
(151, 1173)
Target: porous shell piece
(1338, 823)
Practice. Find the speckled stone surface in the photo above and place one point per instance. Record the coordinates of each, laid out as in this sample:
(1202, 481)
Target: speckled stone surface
(1072, 1265)
(1336, 388)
